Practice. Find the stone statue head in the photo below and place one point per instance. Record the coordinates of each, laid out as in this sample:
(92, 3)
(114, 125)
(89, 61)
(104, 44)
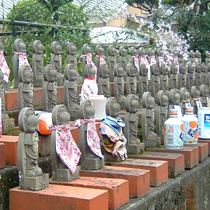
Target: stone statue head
(60, 116)
(134, 51)
(27, 120)
(86, 110)
(147, 100)
(19, 45)
(162, 98)
(50, 74)
(204, 68)
(89, 71)
(112, 107)
(197, 54)
(104, 71)
(174, 96)
(195, 93)
(122, 51)
(207, 54)
(198, 68)
(191, 68)
(99, 50)
(86, 49)
(118, 70)
(182, 69)
(143, 70)
(111, 50)
(174, 68)
(132, 103)
(163, 69)
(131, 70)
(38, 47)
(192, 54)
(70, 72)
(155, 69)
(185, 95)
(56, 48)
(71, 48)
(25, 74)
(204, 90)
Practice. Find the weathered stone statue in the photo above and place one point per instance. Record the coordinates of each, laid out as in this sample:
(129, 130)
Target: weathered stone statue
(151, 57)
(71, 54)
(38, 63)
(197, 56)
(195, 99)
(100, 58)
(134, 59)
(56, 61)
(70, 90)
(174, 99)
(65, 154)
(25, 87)
(119, 85)
(49, 93)
(7, 123)
(123, 59)
(19, 59)
(204, 90)
(182, 76)
(161, 112)
(112, 61)
(160, 57)
(131, 125)
(207, 57)
(143, 81)
(155, 81)
(103, 82)
(181, 59)
(185, 99)
(192, 57)
(131, 82)
(176, 58)
(89, 87)
(114, 141)
(30, 174)
(164, 84)
(204, 73)
(174, 76)
(198, 75)
(149, 137)
(92, 158)
(190, 76)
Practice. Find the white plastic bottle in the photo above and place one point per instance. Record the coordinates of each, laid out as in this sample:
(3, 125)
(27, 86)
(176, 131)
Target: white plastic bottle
(173, 131)
(190, 121)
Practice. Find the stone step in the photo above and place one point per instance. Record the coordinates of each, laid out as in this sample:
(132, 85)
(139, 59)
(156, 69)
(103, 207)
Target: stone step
(57, 197)
(11, 144)
(118, 189)
(158, 169)
(2, 156)
(191, 154)
(176, 163)
(205, 141)
(139, 180)
(203, 149)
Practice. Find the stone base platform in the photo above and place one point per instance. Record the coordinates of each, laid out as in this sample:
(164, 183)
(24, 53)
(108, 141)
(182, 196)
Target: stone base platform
(2, 156)
(139, 180)
(205, 141)
(191, 155)
(176, 164)
(158, 169)
(57, 197)
(118, 189)
(11, 143)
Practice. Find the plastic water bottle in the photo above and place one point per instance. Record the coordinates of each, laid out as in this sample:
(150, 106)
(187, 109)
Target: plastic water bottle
(173, 131)
(190, 121)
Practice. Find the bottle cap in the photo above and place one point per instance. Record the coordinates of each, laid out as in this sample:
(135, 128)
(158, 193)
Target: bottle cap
(173, 112)
(189, 110)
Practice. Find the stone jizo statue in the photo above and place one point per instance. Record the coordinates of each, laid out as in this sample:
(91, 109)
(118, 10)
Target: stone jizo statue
(195, 99)
(31, 176)
(123, 59)
(155, 86)
(112, 52)
(204, 73)
(25, 87)
(71, 54)
(185, 99)
(174, 99)
(174, 76)
(49, 88)
(143, 80)
(131, 82)
(190, 76)
(65, 154)
(198, 75)
(204, 90)
(207, 57)
(164, 84)
(182, 76)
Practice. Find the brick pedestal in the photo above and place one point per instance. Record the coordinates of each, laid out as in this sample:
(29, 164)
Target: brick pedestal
(118, 189)
(57, 197)
(2, 156)
(158, 169)
(205, 141)
(139, 180)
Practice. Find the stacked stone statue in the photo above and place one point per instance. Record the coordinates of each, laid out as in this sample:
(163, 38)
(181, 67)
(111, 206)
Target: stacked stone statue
(49, 88)
(64, 163)
(164, 85)
(195, 99)
(155, 81)
(112, 62)
(25, 87)
(56, 61)
(204, 90)
(190, 76)
(103, 81)
(131, 125)
(70, 90)
(131, 82)
(185, 99)
(174, 99)
(30, 174)
(204, 73)
(182, 76)
(71, 54)
(123, 59)
(198, 75)
(92, 158)
(149, 137)
(38, 63)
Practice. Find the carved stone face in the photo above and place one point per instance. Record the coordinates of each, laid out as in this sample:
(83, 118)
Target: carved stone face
(88, 111)
(186, 95)
(150, 102)
(100, 51)
(197, 93)
(134, 104)
(72, 74)
(133, 71)
(40, 48)
(31, 123)
(123, 52)
(91, 72)
(176, 98)
(64, 118)
(105, 71)
(113, 51)
(120, 72)
(22, 47)
(114, 109)
(58, 49)
(52, 75)
(164, 100)
(28, 76)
